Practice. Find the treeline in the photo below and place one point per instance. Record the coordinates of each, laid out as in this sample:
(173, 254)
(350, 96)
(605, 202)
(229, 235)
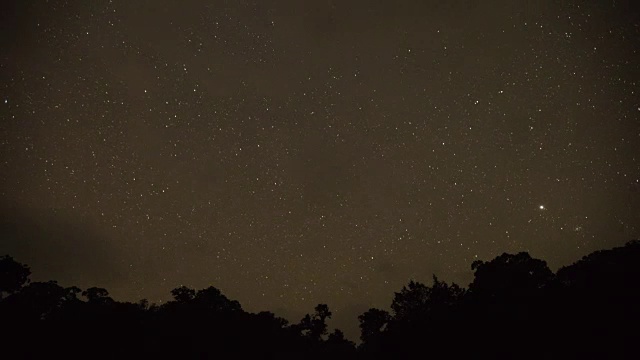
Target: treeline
(515, 308)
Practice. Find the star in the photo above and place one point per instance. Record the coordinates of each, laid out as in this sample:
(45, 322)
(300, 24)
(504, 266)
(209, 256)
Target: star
(225, 149)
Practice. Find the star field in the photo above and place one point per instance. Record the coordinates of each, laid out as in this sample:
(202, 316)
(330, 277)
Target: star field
(292, 153)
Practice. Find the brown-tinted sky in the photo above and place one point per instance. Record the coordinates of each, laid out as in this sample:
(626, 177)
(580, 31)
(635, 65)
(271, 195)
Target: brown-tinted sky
(298, 152)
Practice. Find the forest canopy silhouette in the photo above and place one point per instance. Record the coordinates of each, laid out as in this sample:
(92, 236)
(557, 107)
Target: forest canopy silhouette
(515, 307)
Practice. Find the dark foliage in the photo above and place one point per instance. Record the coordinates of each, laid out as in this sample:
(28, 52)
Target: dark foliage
(13, 275)
(516, 307)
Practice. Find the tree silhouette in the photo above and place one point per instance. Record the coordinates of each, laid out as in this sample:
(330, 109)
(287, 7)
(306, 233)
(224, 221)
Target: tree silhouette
(143, 304)
(516, 307)
(615, 269)
(71, 293)
(418, 300)
(97, 295)
(314, 327)
(599, 301)
(37, 301)
(509, 275)
(183, 294)
(13, 275)
(337, 344)
(212, 299)
(372, 323)
(410, 301)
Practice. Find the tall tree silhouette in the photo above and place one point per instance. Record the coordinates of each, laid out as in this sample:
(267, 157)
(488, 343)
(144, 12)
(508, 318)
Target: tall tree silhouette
(418, 300)
(372, 323)
(183, 294)
(315, 326)
(212, 299)
(510, 276)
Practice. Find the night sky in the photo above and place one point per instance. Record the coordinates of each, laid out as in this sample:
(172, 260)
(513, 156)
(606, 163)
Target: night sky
(292, 153)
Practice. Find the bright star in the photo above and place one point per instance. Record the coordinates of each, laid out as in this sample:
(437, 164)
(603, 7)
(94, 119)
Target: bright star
(541, 207)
